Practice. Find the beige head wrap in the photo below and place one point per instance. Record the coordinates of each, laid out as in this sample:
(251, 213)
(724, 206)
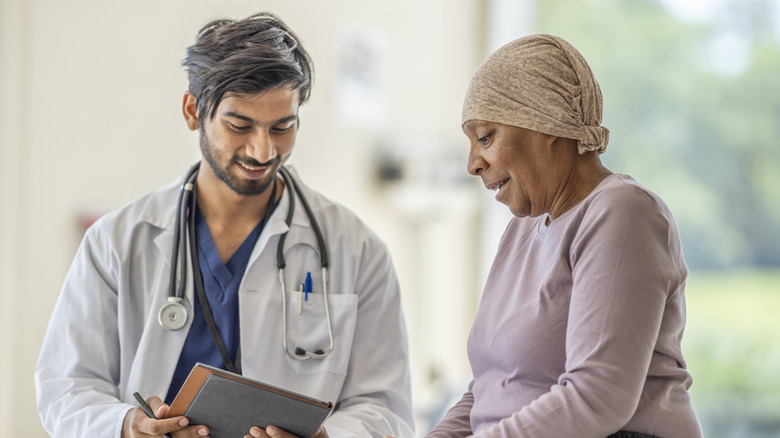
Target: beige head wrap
(541, 83)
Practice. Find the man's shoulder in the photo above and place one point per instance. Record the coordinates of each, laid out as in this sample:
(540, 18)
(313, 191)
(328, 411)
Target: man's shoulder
(154, 208)
(336, 217)
(326, 206)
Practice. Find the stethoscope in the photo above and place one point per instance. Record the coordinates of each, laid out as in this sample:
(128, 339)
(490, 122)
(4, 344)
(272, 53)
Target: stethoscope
(173, 314)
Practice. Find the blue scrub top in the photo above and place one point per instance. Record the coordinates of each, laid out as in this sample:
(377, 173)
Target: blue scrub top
(221, 282)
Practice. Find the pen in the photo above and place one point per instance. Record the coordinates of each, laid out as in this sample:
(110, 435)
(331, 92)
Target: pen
(147, 410)
(308, 286)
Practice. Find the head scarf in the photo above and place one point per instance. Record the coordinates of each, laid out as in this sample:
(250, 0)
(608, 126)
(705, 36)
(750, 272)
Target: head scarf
(541, 83)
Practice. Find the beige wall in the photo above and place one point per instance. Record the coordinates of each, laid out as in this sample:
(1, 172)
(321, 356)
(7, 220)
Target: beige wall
(90, 92)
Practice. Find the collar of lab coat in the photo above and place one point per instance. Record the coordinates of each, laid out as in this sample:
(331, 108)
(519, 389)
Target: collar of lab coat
(300, 230)
(162, 214)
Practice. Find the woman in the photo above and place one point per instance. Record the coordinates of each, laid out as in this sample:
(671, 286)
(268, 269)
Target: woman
(578, 332)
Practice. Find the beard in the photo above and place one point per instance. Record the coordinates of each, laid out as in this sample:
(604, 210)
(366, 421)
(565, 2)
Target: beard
(242, 187)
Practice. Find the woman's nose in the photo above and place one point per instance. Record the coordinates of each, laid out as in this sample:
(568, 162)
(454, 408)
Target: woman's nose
(476, 164)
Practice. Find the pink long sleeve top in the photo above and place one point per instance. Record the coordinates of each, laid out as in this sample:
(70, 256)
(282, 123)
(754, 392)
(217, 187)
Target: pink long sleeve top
(579, 328)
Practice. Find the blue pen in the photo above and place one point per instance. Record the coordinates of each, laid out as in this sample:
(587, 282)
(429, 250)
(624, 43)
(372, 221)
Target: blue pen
(307, 286)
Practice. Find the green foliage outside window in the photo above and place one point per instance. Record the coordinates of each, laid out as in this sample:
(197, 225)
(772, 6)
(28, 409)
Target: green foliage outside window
(694, 121)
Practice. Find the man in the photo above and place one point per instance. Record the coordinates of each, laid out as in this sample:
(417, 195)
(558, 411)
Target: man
(108, 337)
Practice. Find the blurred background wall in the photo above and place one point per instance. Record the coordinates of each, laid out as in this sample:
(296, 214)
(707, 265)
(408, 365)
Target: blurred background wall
(90, 95)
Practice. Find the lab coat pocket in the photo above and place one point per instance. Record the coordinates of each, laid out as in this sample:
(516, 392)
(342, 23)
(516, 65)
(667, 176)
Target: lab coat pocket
(309, 330)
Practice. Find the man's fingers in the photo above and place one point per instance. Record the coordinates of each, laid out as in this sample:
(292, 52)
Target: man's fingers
(138, 423)
(196, 431)
(158, 427)
(166, 425)
(155, 403)
(256, 432)
(278, 432)
(161, 411)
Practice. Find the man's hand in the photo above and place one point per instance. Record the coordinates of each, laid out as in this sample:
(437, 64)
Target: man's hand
(137, 424)
(275, 432)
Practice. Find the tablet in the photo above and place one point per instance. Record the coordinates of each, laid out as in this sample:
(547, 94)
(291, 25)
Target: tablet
(230, 404)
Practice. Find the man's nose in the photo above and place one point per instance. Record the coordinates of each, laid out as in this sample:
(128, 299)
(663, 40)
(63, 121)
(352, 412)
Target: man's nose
(261, 147)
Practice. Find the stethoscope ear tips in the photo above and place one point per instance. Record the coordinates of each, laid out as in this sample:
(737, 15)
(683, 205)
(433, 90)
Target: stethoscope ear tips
(301, 352)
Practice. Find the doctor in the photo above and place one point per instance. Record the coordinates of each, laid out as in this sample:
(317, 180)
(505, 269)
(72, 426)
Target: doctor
(130, 317)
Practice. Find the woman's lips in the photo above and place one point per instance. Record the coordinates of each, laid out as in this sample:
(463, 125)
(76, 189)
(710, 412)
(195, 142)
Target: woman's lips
(498, 185)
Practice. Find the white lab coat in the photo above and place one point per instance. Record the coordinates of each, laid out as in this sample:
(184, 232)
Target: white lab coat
(104, 341)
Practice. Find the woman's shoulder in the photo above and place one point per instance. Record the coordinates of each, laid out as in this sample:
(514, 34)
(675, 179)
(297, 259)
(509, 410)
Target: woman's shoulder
(624, 192)
(620, 199)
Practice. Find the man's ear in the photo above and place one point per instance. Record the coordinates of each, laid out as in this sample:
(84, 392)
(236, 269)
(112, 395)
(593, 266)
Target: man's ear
(189, 109)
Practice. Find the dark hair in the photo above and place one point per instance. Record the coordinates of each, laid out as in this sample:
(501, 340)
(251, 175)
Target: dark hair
(248, 56)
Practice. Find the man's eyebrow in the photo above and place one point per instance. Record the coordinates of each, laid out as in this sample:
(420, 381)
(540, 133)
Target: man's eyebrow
(237, 116)
(289, 118)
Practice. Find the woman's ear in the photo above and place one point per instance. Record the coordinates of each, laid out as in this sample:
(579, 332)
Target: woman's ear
(565, 143)
(189, 109)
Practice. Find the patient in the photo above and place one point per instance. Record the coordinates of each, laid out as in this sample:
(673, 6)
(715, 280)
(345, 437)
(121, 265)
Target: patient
(578, 332)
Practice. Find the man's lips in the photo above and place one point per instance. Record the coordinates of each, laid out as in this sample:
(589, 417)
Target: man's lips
(253, 172)
(250, 167)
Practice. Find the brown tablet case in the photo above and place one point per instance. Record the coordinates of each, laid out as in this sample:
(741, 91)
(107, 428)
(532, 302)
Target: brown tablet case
(230, 404)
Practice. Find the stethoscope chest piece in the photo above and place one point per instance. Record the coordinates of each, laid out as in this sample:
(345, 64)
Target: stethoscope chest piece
(173, 314)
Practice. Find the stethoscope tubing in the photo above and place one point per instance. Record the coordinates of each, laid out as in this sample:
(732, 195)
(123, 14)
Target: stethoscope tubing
(179, 239)
(324, 255)
(173, 314)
